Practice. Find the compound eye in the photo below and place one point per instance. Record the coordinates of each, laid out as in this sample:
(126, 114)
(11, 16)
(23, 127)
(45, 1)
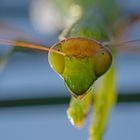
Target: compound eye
(56, 61)
(102, 62)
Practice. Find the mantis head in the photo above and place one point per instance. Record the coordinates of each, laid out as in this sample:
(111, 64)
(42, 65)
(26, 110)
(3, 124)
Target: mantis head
(85, 60)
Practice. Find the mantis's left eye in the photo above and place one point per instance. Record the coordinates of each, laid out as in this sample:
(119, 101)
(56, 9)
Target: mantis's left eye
(56, 61)
(103, 60)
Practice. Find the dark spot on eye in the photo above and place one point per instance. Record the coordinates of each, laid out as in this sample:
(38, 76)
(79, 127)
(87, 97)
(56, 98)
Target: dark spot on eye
(103, 53)
(58, 49)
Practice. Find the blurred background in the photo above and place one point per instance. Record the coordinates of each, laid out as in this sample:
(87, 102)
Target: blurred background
(33, 98)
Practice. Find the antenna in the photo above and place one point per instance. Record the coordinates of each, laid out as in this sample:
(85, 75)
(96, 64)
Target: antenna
(28, 45)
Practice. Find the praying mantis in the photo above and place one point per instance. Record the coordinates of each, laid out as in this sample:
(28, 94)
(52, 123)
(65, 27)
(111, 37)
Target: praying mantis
(75, 58)
(80, 58)
(66, 56)
(63, 55)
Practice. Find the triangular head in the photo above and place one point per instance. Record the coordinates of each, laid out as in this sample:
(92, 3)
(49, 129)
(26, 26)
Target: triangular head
(85, 60)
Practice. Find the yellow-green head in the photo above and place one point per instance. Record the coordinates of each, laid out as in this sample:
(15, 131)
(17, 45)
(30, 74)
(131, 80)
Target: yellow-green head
(85, 60)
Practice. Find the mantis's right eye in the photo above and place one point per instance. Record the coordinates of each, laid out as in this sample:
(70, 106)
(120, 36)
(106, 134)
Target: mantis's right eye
(56, 60)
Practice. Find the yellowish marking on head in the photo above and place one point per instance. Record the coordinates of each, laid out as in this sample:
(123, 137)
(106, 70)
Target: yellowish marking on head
(80, 47)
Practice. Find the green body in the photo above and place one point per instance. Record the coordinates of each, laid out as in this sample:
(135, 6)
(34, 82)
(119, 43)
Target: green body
(97, 22)
(79, 109)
